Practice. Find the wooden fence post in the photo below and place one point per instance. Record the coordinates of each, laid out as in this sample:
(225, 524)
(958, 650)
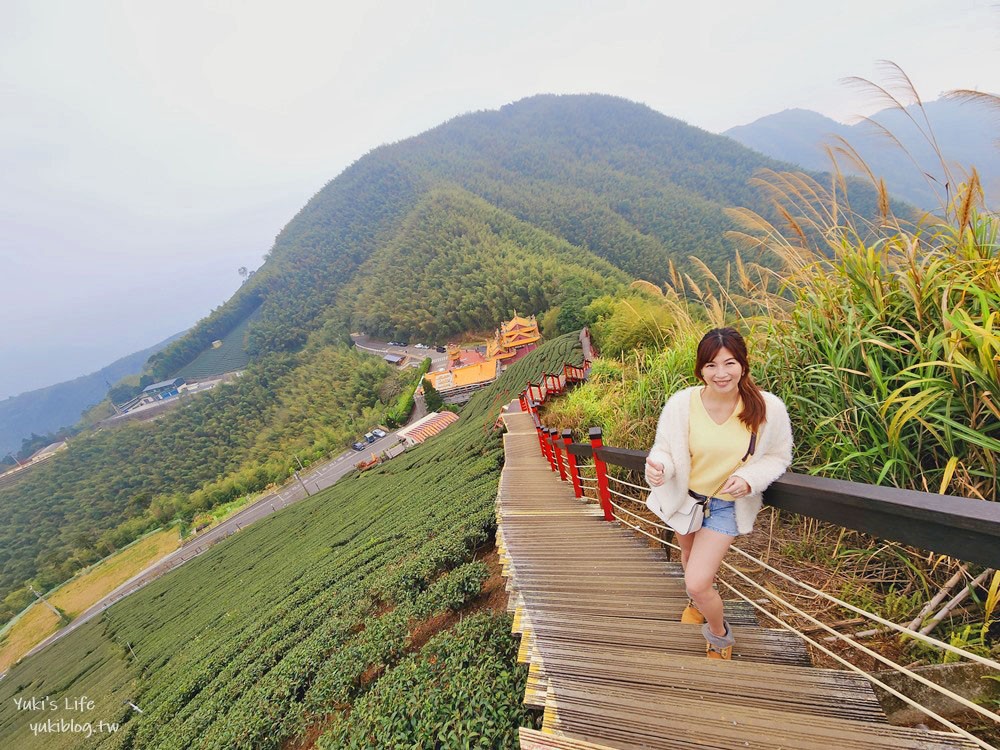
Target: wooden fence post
(547, 434)
(557, 445)
(596, 442)
(538, 430)
(574, 471)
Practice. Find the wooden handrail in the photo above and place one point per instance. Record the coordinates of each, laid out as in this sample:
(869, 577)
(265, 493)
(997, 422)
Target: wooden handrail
(956, 526)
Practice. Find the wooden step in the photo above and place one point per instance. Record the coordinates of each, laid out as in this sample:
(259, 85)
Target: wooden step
(637, 719)
(532, 739)
(736, 612)
(802, 690)
(753, 644)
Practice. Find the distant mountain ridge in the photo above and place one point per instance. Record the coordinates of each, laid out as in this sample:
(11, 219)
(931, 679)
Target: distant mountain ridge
(540, 206)
(56, 406)
(964, 133)
(630, 185)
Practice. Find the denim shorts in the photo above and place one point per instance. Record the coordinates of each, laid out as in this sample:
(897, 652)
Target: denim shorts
(722, 518)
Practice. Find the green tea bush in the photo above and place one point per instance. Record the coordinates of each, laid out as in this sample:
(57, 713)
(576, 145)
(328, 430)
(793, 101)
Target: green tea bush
(305, 613)
(462, 690)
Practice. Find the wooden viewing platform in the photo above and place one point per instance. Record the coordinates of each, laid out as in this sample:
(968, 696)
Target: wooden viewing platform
(598, 611)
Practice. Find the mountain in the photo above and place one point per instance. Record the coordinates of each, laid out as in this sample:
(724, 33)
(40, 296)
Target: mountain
(612, 177)
(540, 206)
(964, 135)
(49, 409)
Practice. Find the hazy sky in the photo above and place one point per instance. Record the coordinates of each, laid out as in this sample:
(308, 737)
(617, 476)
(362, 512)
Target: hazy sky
(149, 149)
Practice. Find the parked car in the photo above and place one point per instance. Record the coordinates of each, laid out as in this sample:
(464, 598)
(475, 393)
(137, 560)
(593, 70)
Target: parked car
(378, 433)
(422, 346)
(358, 446)
(441, 350)
(369, 437)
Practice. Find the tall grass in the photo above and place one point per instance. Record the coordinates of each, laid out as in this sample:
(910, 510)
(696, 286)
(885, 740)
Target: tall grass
(881, 334)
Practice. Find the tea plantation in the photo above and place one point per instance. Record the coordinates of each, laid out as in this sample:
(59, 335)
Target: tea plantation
(229, 357)
(305, 619)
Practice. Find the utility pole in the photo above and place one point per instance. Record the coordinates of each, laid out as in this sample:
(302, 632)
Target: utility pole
(303, 468)
(41, 598)
(302, 483)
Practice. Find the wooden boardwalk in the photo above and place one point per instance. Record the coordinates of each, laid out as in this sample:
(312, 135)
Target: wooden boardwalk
(598, 611)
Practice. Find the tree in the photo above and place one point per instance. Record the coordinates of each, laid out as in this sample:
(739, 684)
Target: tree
(432, 397)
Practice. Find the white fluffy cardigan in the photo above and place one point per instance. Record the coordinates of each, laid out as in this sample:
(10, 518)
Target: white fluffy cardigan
(671, 448)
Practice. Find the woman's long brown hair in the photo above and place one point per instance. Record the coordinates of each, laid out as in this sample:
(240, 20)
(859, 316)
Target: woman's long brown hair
(754, 412)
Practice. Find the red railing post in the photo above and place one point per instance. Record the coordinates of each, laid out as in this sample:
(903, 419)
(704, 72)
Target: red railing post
(522, 400)
(552, 448)
(543, 433)
(574, 471)
(538, 431)
(601, 468)
(557, 445)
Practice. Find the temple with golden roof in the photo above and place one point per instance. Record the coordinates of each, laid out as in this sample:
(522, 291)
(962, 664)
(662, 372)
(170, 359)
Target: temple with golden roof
(469, 371)
(514, 335)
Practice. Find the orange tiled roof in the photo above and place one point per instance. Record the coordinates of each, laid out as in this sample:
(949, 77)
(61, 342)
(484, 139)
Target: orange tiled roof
(428, 427)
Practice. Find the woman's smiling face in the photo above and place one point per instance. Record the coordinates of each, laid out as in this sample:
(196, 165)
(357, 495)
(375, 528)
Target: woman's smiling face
(722, 373)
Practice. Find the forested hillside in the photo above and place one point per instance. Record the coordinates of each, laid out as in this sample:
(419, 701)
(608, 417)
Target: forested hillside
(604, 174)
(469, 265)
(48, 409)
(315, 616)
(544, 204)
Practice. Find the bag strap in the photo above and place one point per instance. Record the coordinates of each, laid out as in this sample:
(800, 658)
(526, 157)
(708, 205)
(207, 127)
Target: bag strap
(750, 451)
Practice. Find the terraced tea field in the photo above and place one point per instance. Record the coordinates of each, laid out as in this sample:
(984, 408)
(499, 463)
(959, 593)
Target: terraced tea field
(229, 357)
(310, 613)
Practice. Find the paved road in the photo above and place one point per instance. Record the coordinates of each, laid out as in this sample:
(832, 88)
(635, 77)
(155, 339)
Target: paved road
(438, 359)
(314, 479)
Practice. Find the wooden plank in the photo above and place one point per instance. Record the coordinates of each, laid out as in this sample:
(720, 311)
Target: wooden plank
(639, 720)
(811, 691)
(752, 644)
(598, 610)
(532, 739)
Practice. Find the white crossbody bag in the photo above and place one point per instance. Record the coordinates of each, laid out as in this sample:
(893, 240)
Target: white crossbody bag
(686, 521)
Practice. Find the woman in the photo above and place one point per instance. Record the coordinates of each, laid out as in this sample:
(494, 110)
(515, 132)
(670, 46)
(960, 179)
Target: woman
(702, 435)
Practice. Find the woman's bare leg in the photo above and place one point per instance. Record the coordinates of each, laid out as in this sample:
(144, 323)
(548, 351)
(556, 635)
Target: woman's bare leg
(685, 541)
(703, 560)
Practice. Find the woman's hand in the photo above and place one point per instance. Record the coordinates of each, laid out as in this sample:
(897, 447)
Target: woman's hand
(654, 473)
(735, 487)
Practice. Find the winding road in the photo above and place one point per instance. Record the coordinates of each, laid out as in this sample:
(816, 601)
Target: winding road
(314, 479)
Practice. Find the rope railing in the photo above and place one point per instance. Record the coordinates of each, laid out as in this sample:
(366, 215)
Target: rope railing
(960, 527)
(629, 484)
(903, 630)
(787, 626)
